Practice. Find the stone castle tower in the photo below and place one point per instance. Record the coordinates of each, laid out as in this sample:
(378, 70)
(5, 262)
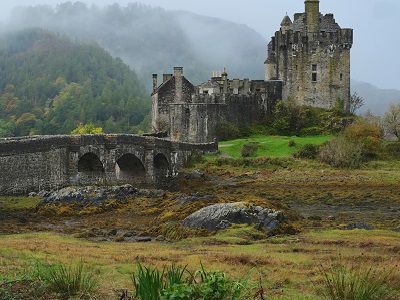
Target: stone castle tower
(311, 55)
(308, 62)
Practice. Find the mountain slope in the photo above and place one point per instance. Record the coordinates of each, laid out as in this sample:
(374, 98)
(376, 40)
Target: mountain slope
(154, 40)
(376, 100)
(49, 85)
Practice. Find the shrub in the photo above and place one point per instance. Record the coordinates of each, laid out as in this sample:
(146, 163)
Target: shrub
(292, 144)
(341, 283)
(148, 283)
(249, 149)
(173, 284)
(67, 281)
(228, 131)
(342, 152)
(310, 131)
(392, 150)
(308, 151)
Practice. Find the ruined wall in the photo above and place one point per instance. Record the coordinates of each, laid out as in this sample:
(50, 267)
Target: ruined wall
(45, 163)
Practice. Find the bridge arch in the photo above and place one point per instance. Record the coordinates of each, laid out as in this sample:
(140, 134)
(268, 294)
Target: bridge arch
(162, 167)
(130, 167)
(90, 165)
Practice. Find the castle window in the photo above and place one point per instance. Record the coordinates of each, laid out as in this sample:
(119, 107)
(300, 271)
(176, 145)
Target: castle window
(341, 76)
(314, 76)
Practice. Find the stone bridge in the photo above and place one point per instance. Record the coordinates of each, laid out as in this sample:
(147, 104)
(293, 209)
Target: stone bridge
(31, 164)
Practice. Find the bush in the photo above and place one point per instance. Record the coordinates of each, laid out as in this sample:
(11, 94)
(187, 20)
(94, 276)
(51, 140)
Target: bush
(177, 283)
(148, 283)
(308, 151)
(292, 144)
(249, 149)
(392, 150)
(67, 281)
(341, 283)
(310, 131)
(228, 131)
(342, 152)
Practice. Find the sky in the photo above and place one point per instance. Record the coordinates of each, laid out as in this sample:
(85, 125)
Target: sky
(375, 54)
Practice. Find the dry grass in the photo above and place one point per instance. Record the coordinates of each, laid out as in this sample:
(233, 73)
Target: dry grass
(287, 265)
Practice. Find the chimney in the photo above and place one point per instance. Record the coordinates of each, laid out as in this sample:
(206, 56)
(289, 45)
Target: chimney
(167, 77)
(312, 14)
(155, 82)
(178, 74)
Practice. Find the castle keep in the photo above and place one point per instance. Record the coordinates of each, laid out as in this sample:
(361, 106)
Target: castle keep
(311, 55)
(308, 62)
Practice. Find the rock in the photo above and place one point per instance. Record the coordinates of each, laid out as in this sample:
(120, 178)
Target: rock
(195, 174)
(113, 232)
(193, 198)
(331, 218)
(160, 238)
(129, 234)
(96, 195)
(397, 229)
(143, 239)
(354, 226)
(33, 194)
(222, 216)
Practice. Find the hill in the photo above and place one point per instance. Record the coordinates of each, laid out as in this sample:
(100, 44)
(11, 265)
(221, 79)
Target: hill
(376, 100)
(49, 84)
(155, 40)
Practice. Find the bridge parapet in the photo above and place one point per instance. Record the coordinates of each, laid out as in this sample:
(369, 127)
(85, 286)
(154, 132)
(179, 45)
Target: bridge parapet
(49, 162)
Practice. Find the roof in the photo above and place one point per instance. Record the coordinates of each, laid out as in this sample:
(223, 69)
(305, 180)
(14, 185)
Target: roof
(328, 23)
(286, 21)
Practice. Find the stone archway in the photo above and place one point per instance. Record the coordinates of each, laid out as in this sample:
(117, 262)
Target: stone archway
(90, 165)
(162, 167)
(130, 168)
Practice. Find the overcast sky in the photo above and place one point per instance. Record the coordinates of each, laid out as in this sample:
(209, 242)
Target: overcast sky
(375, 55)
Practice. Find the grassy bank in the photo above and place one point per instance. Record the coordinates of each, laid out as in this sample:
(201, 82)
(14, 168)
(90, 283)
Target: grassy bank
(271, 146)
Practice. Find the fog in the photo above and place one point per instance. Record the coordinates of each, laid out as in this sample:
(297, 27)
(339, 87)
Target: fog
(374, 56)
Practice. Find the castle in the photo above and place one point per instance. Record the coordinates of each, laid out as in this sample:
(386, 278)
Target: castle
(308, 63)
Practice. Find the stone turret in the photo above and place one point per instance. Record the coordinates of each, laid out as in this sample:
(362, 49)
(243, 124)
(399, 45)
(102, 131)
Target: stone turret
(311, 55)
(312, 15)
(286, 24)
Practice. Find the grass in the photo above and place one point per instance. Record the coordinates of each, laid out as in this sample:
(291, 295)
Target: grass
(286, 265)
(68, 281)
(16, 203)
(271, 146)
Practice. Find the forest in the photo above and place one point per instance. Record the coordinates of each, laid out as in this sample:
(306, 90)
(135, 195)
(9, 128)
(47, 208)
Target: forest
(50, 84)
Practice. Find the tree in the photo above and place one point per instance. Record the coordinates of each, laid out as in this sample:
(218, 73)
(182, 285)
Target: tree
(391, 120)
(87, 129)
(356, 102)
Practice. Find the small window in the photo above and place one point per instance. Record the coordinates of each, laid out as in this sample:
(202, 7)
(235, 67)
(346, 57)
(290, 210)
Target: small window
(314, 77)
(341, 76)
(205, 92)
(314, 68)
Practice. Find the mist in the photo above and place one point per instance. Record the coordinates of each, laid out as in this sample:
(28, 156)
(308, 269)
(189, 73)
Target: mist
(374, 54)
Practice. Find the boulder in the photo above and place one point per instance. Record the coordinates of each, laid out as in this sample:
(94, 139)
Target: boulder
(97, 195)
(222, 216)
(355, 226)
(397, 229)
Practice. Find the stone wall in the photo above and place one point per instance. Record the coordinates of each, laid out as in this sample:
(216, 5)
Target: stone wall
(50, 162)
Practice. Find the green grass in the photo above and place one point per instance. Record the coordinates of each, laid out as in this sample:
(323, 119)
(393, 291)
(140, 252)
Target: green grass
(15, 203)
(271, 146)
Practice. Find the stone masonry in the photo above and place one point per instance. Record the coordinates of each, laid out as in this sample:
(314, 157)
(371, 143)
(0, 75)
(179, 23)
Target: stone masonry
(31, 164)
(308, 63)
